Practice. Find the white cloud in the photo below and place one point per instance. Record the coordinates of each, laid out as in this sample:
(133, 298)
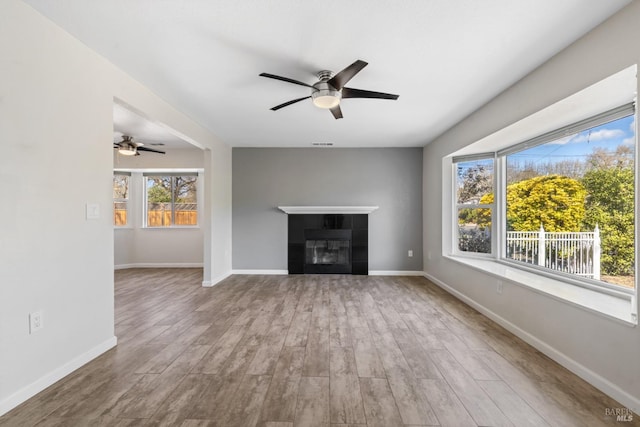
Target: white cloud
(632, 125)
(629, 141)
(600, 135)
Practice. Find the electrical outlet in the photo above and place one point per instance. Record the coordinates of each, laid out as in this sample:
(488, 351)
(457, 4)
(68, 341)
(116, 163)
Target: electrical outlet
(410, 253)
(36, 321)
(499, 287)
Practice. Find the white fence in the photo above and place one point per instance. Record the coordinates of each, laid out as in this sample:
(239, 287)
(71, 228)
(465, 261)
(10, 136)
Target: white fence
(571, 252)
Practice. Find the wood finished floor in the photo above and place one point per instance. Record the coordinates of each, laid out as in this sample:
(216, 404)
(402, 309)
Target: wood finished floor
(284, 351)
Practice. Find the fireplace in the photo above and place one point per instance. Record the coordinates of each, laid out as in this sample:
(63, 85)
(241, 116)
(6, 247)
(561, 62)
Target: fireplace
(328, 244)
(327, 251)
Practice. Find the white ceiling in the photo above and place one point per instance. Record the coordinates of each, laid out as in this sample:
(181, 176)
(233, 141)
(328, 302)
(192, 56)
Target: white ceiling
(145, 131)
(445, 58)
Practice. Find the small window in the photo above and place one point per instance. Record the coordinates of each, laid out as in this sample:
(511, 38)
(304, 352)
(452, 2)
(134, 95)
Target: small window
(474, 205)
(120, 199)
(171, 200)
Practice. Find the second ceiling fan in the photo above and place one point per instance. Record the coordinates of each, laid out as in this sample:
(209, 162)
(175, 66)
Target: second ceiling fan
(129, 147)
(330, 89)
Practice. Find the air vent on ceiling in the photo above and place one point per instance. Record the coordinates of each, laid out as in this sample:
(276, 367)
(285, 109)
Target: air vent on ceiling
(322, 144)
(156, 144)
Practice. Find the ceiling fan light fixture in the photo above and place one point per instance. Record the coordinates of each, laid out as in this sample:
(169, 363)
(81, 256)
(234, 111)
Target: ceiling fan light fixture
(127, 150)
(326, 98)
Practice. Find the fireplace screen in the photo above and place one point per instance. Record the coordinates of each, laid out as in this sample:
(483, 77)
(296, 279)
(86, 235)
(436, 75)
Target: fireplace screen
(326, 251)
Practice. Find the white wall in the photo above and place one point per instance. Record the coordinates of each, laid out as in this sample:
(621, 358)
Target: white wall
(56, 133)
(135, 246)
(603, 351)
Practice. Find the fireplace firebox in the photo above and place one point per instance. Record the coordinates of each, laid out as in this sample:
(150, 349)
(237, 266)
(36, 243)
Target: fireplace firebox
(326, 252)
(328, 244)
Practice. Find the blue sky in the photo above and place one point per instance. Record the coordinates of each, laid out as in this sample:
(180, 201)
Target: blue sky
(578, 147)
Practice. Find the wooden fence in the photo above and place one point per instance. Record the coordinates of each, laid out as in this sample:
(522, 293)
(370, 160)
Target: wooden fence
(159, 215)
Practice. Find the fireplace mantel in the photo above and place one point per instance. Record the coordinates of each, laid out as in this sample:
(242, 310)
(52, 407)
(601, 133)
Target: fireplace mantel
(328, 209)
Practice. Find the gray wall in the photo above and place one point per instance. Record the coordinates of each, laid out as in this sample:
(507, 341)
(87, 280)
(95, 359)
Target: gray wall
(264, 178)
(602, 350)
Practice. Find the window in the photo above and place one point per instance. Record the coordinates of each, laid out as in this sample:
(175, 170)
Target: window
(120, 198)
(171, 200)
(565, 202)
(570, 203)
(474, 204)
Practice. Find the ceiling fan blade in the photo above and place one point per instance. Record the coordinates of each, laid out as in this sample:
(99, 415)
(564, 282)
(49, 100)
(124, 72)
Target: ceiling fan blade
(284, 79)
(337, 112)
(342, 78)
(277, 107)
(151, 150)
(348, 92)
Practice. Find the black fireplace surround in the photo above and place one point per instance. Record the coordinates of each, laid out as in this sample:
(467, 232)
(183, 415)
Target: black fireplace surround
(328, 244)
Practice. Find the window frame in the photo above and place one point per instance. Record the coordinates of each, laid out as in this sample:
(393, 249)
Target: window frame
(499, 208)
(457, 206)
(162, 173)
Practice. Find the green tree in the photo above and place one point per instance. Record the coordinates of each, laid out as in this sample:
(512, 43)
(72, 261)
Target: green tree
(610, 205)
(159, 194)
(557, 202)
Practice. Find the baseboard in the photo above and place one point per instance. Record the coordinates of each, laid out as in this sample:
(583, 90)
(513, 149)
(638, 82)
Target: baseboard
(580, 370)
(273, 272)
(37, 386)
(371, 272)
(215, 281)
(395, 273)
(159, 265)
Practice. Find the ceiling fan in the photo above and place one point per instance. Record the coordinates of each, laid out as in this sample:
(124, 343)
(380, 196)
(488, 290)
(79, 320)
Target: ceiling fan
(330, 89)
(129, 147)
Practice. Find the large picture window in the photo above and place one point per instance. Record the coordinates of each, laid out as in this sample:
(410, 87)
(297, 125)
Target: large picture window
(565, 205)
(570, 203)
(171, 200)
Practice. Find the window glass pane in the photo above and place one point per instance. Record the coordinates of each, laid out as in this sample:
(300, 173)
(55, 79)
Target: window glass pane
(474, 181)
(186, 206)
(171, 200)
(474, 230)
(474, 186)
(120, 199)
(570, 204)
(159, 201)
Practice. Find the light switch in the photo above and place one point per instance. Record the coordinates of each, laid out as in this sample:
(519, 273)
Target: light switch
(93, 211)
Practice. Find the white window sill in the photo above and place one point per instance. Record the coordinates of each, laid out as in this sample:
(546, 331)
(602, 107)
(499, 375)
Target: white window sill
(617, 305)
